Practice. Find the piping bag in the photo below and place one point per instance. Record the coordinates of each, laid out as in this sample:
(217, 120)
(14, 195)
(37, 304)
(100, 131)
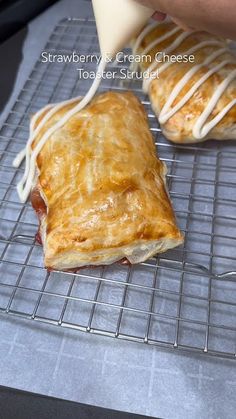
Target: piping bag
(117, 22)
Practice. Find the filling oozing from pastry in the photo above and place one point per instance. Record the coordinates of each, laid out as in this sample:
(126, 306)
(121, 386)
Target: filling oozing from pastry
(99, 188)
(200, 95)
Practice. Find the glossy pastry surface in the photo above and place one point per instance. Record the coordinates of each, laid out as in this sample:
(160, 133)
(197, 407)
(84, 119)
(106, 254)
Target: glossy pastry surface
(100, 189)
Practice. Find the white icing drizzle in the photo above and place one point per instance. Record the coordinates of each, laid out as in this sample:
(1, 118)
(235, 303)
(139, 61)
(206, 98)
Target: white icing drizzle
(163, 67)
(200, 130)
(167, 112)
(201, 127)
(25, 152)
(25, 184)
(162, 38)
(142, 35)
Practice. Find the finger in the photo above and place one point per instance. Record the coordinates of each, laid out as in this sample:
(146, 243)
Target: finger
(159, 16)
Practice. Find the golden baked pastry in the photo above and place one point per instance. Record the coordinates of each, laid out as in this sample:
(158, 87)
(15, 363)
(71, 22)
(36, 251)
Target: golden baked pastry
(194, 101)
(100, 190)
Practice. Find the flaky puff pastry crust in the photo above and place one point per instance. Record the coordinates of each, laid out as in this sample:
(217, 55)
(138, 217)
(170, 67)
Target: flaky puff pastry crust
(103, 187)
(179, 128)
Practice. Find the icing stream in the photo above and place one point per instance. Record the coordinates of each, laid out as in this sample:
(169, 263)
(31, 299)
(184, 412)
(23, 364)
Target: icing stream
(200, 129)
(25, 184)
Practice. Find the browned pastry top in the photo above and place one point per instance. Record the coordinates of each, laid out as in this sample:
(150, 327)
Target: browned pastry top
(103, 186)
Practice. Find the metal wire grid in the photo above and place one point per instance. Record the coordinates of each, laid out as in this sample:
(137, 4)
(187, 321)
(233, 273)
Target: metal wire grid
(183, 299)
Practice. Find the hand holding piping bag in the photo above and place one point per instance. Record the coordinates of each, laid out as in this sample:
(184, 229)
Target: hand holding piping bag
(217, 17)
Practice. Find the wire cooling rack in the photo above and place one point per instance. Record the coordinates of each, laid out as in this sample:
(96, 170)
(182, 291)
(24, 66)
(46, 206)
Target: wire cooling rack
(185, 298)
